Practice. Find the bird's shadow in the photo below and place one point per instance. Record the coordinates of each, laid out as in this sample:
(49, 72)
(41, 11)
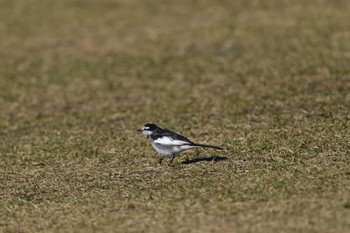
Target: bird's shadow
(212, 158)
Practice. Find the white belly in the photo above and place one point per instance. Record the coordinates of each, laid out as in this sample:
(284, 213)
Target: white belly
(170, 150)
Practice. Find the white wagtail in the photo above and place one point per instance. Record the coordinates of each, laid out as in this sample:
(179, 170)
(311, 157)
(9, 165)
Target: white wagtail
(169, 143)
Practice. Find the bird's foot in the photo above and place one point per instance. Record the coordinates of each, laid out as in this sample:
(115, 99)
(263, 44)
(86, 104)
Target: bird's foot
(171, 161)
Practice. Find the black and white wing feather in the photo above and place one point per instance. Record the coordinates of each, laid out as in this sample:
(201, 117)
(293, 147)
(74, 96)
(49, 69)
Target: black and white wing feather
(170, 138)
(167, 137)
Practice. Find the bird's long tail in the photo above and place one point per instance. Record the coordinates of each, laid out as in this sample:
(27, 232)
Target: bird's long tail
(209, 146)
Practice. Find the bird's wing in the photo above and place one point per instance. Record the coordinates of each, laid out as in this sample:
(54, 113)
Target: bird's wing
(165, 136)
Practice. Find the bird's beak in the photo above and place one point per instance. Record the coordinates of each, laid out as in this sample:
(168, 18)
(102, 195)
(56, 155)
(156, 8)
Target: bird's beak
(139, 130)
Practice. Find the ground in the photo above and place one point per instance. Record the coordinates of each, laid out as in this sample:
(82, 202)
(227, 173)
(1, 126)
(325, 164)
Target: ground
(267, 80)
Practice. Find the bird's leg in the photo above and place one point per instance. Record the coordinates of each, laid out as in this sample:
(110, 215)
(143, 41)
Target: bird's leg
(171, 161)
(197, 152)
(161, 160)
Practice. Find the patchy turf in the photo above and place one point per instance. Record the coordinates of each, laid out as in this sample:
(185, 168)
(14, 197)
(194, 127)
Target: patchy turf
(269, 80)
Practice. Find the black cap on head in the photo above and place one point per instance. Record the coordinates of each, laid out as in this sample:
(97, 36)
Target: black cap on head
(150, 127)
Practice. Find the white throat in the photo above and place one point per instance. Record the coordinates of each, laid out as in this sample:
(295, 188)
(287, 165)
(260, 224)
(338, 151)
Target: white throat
(146, 132)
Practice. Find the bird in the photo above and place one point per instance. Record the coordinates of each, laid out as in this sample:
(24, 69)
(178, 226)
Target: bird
(169, 143)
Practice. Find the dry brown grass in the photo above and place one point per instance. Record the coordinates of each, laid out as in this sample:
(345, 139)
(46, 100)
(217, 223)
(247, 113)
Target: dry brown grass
(269, 80)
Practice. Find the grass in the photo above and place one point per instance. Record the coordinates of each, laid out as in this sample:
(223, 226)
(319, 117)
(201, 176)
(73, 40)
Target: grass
(269, 80)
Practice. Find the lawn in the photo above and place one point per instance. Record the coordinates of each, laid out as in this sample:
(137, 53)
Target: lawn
(267, 80)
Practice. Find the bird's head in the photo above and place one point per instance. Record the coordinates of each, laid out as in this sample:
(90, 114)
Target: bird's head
(148, 129)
